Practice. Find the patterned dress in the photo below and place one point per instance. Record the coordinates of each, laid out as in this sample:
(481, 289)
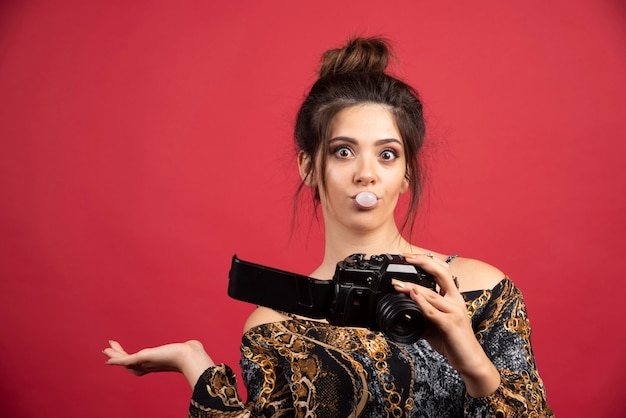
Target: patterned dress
(304, 368)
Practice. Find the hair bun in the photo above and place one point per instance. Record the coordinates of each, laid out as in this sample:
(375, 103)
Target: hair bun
(360, 55)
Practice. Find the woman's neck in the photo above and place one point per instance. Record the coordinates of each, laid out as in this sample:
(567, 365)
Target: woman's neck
(340, 244)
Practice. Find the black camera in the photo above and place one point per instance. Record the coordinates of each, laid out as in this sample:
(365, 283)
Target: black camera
(360, 293)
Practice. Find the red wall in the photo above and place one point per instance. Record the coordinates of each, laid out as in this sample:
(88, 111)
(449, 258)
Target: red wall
(143, 143)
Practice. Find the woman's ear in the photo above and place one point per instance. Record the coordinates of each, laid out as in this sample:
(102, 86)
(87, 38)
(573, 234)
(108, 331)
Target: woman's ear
(405, 183)
(305, 165)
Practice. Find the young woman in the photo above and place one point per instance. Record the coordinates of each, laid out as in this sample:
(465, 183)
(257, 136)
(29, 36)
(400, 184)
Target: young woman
(359, 132)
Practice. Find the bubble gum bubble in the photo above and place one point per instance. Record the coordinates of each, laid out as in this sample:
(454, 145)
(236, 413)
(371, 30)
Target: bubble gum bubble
(366, 199)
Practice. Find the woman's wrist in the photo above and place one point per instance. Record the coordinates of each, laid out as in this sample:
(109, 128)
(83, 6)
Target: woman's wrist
(194, 361)
(482, 379)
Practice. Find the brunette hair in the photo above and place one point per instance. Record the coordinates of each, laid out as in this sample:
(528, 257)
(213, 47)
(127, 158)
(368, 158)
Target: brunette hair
(354, 75)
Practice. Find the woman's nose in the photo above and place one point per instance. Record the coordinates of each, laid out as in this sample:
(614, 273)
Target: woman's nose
(364, 173)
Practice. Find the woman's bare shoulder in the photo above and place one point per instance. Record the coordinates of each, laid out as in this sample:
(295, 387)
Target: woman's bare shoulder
(262, 315)
(475, 274)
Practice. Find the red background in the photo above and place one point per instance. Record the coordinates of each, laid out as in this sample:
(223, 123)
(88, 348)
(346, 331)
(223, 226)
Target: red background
(143, 143)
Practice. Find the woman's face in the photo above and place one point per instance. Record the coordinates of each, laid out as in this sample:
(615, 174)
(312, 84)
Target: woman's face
(366, 154)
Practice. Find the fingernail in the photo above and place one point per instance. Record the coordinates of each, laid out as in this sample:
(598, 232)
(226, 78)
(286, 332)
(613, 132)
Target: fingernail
(397, 283)
(408, 255)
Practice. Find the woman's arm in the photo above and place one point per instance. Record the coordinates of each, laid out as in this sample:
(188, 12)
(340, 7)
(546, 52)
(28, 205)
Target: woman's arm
(487, 340)
(452, 334)
(214, 386)
(503, 330)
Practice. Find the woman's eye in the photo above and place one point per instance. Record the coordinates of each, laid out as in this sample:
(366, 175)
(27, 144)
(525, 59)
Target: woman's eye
(389, 155)
(343, 152)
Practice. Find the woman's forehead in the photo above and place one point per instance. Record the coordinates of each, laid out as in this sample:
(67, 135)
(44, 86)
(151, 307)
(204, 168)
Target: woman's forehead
(365, 122)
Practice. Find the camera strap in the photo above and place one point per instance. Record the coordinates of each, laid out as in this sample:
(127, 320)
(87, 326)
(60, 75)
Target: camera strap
(279, 289)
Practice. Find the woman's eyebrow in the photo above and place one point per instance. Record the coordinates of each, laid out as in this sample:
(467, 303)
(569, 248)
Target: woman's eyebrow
(388, 141)
(343, 139)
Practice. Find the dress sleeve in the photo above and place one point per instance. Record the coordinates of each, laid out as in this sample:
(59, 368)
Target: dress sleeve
(501, 326)
(215, 394)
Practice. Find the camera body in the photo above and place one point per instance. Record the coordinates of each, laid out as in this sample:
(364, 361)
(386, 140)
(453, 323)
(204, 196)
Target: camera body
(360, 293)
(365, 297)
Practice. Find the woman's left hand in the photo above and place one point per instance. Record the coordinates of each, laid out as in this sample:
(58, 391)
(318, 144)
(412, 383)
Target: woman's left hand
(450, 331)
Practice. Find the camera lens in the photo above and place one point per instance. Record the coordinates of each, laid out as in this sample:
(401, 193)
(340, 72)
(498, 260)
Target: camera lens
(400, 318)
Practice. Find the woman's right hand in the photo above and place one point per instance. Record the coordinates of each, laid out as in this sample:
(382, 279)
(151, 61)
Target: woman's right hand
(188, 358)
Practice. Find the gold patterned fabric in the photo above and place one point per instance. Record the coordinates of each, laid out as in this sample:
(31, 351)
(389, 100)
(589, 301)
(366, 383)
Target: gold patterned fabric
(302, 368)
